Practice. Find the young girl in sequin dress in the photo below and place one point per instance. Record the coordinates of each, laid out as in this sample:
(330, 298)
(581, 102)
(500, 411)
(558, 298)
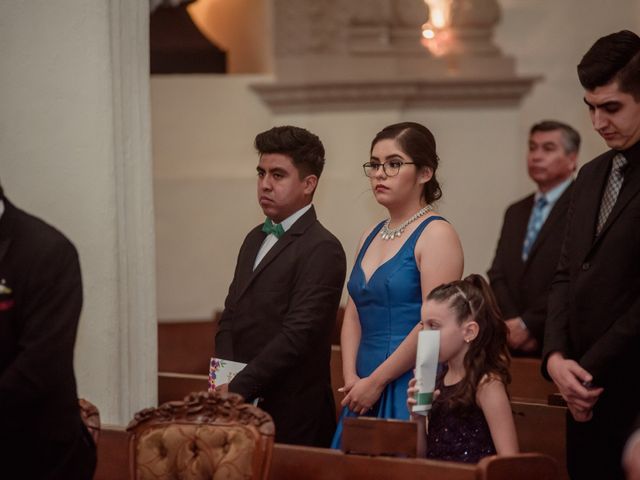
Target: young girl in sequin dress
(471, 414)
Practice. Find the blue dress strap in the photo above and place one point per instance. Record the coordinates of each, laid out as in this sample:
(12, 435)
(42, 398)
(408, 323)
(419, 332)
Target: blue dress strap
(413, 239)
(411, 242)
(368, 241)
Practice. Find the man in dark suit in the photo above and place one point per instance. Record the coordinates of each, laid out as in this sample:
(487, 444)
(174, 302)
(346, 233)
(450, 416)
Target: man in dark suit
(592, 337)
(281, 306)
(532, 232)
(41, 432)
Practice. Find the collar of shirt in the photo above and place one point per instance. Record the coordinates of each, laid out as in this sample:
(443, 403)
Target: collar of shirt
(552, 196)
(288, 222)
(555, 193)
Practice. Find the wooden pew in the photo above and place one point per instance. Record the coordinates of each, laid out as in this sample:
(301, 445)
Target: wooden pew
(542, 428)
(186, 347)
(113, 454)
(176, 386)
(527, 383)
(308, 463)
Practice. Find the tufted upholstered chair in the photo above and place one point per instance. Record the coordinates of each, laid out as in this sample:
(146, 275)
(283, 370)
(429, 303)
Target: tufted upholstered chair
(207, 436)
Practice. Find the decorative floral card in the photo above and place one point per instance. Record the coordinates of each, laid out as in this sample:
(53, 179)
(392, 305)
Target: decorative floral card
(222, 371)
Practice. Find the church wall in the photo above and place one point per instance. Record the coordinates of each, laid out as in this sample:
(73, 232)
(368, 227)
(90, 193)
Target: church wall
(204, 163)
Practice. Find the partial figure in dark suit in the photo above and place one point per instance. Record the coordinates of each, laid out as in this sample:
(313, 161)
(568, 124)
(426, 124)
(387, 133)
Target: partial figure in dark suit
(531, 237)
(282, 303)
(42, 435)
(592, 337)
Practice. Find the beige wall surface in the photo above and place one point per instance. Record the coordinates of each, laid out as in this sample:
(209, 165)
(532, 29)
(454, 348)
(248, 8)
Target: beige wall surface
(203, 129)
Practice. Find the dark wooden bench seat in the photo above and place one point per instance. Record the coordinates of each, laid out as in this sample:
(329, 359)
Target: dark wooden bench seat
(293, 462)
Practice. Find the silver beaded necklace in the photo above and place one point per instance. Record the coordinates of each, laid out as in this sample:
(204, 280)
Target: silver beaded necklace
(390, 233)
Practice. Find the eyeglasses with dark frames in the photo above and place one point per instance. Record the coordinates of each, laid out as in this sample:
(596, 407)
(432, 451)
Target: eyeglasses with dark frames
(391, 168)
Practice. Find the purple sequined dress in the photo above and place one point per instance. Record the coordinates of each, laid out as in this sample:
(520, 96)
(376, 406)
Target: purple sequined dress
(457, 436)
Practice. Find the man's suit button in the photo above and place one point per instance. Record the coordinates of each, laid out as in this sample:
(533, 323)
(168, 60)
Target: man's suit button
(586, 266)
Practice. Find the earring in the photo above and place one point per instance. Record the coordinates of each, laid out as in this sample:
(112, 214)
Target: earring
(467, 340)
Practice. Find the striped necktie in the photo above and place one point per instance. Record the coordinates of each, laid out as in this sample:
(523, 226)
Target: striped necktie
(614, 184)
(536, 219)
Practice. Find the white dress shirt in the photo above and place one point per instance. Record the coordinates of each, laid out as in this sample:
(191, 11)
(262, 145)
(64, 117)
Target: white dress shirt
(552, 197)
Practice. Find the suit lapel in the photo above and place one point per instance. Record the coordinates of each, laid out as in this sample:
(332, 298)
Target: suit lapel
(586, 214)
(4, 247)
(245, 269)
(6, 227)
(290, 236)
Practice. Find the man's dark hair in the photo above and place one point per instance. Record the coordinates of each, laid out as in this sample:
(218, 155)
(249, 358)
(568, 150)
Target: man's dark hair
(570, 137)
(613, 57)
(304, 148)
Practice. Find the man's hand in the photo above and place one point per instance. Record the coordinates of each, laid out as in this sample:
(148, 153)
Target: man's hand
(224, 388)
(519, 337)
(571, 379)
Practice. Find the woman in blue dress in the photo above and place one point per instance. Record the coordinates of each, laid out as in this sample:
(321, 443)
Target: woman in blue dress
(399, 261)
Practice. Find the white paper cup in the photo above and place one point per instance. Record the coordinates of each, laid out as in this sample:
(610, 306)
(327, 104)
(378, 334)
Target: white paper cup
(426, 369)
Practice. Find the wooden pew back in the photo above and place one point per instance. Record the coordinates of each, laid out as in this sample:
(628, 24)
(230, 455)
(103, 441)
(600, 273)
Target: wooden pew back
(294, 462)
(176, 386)
(527, 383)
(186, 347)
(542, 428)
(308, 463)
(113, 454)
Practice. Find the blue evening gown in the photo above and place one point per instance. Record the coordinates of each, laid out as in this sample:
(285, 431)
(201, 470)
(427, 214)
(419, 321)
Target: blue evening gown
(388, 307)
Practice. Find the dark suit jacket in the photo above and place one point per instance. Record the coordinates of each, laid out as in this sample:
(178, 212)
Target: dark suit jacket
(40, 300)
(522, 288)
(279, 320)
(594, 305)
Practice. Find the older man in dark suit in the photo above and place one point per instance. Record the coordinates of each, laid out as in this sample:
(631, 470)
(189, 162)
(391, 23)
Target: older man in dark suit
(592, 337)
(281, 306)
(532, 232)
(41, 433)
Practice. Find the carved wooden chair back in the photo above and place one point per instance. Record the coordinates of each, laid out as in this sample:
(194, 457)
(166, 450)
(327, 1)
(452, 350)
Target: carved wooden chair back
(206, 436)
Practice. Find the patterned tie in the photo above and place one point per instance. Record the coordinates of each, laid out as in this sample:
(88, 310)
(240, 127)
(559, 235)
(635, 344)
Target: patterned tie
(612, 190)
(273, 228)
(535, 224)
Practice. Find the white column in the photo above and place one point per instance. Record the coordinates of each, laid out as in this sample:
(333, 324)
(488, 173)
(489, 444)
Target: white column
(75, 151)
(129, 34)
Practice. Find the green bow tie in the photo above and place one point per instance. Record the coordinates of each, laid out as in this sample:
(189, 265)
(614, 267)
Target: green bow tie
(270, 227)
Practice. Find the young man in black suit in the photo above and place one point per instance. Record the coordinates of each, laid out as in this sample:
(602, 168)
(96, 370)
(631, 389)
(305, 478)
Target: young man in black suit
(282, 303)
(41, 432)
(592, 337)
(532, 232)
